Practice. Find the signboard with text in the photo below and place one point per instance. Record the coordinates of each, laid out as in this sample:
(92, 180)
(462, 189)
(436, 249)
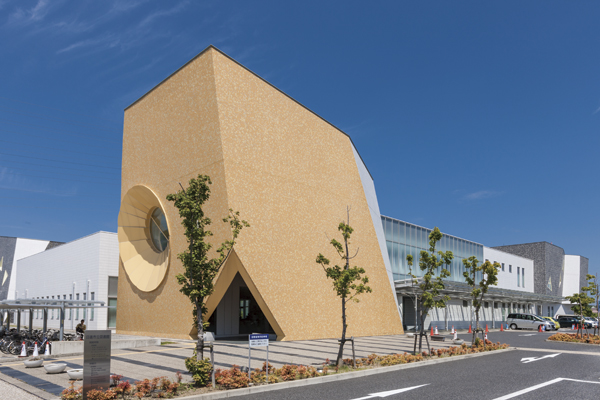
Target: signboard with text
(96, 361)
(259, 340)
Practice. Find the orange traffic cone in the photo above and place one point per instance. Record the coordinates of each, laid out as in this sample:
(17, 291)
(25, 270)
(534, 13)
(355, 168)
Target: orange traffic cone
(501, 327)
(539, 328)
(432, 331)
(23, 351)
(486, 329)
(470, 331)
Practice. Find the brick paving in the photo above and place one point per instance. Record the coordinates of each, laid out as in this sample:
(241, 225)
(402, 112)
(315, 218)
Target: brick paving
(166, 360)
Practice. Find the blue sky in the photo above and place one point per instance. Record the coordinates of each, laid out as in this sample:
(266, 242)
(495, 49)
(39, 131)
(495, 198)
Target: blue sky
(478, 117)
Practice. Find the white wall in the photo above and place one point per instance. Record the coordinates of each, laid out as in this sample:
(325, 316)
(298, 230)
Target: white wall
(24, 248)
(571, 278)
(506, 279)
(371, 196)
(65, 270)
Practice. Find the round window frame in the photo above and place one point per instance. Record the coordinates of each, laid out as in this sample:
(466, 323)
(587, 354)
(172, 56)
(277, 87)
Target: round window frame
(148, 230)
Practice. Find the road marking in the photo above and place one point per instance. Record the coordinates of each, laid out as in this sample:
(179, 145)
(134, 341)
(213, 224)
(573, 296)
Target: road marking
(541, 385)
(532, 359)
(530, 334)
(390, 392)
(589, 353)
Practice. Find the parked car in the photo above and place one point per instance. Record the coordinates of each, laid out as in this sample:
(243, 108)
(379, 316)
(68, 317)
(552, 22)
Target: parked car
(553, 321)
(567, 321)
(527, 321)
(592, 321)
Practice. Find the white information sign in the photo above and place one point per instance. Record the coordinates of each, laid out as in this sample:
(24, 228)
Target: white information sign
(259, 340)
(96, 361)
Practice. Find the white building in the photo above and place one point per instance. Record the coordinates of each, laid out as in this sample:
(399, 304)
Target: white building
(13, 249)
(516, 273)
(84, 269)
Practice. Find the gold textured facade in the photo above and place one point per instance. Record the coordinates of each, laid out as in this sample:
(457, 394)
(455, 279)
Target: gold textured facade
(291, 175)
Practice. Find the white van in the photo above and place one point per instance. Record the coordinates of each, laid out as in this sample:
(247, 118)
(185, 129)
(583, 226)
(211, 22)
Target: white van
(527, 321)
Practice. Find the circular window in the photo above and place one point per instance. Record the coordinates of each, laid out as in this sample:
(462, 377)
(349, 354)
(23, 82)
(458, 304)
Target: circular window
(159, 232)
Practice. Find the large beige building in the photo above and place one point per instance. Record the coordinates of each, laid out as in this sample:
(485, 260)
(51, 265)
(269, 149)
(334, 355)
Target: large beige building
(289, 172)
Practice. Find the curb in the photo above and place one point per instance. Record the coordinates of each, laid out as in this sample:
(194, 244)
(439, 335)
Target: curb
(332, 378)
(562, 341)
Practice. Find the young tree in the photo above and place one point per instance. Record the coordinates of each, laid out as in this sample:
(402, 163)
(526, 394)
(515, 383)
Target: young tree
(197, 280)
(429, 286)
(580, 304)
(348, 282)
(594, 290)
(478, 290)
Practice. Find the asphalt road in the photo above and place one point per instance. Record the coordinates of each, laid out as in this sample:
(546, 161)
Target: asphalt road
(541, 370)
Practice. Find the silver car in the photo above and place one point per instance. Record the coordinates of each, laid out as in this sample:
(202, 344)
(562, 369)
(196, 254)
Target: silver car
(527, 321)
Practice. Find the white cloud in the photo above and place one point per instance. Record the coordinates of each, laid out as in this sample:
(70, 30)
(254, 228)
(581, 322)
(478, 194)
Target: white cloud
(482, 194)
(150, 18)
(34, 14)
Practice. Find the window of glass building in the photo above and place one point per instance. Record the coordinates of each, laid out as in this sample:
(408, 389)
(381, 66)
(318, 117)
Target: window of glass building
(510, 268)
(92, 296)
(518, 276)
(77, 309)
(70, 309)
(502, 267)
(523, 277)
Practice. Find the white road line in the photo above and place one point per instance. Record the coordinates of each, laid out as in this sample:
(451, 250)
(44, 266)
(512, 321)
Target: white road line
(532, 359)
(389, 392)
(541, 385)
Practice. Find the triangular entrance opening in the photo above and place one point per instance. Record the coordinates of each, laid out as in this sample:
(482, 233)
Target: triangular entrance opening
(238, 313)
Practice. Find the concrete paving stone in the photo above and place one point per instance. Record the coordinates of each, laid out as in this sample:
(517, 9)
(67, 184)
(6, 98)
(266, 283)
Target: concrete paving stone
(12, 392)
(153, 361)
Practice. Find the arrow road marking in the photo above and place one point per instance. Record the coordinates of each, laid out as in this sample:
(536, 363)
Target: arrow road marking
(541, 385)
(532, 359)
(390, 392)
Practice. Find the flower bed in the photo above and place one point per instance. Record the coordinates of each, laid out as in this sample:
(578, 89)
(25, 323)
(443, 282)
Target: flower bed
(575, 338)
(234, 378)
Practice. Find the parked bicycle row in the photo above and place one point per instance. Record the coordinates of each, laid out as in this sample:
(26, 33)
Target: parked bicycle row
(11, 341)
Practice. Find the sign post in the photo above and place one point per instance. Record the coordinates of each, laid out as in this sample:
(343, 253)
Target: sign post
(96, 361)
(258, 340)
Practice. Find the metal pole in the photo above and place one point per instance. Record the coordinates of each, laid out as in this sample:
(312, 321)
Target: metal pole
(249, 359)
(446, 317)
(212, 361)
(30, 320)
(353, 354)
(19, 320)
(45, 326)
(62, 322)
(493, 316)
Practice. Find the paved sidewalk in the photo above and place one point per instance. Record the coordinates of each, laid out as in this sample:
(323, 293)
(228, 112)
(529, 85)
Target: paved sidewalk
(166, 360)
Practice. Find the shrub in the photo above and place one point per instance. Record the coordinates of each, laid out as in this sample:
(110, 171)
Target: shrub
(123, 388)
(200, 370)
(71, 393)
(143, 387)
(116, 379)
(101, 395)
(287, 372)
(232, 378)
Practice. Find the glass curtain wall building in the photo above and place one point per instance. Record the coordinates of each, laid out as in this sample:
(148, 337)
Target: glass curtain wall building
(403, 238)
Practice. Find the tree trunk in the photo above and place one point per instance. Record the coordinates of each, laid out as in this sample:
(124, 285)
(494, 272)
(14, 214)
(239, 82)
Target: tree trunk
(476, 324)
(200, 342)
(422, 330)
(340, 359)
